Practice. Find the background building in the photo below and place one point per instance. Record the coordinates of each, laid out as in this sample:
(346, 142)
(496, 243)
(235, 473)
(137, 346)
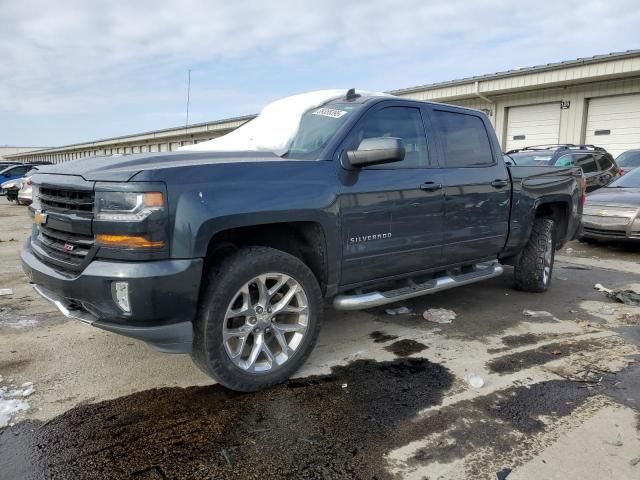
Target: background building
(593, 100)
(7, 150)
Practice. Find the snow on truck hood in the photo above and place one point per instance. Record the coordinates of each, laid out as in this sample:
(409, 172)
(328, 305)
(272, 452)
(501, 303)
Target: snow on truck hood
(275, 127)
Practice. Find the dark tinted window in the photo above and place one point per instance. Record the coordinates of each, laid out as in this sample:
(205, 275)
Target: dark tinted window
(583, 160)
(464, 139)
(15, 171)
(399, 122)
(604, 163)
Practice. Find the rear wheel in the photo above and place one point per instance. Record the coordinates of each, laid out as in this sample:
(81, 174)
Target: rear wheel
(534, 268)
(259, 319)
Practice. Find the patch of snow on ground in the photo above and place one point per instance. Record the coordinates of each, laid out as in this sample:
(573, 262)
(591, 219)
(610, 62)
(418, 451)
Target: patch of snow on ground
(12, 401)
(20, 323)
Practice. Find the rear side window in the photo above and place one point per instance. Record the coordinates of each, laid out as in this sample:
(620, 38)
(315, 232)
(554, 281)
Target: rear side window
(464, 139)
(18, 171)
(584, 160)
(604, 163)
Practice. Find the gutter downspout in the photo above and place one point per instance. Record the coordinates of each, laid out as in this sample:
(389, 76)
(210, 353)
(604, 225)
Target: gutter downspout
(480, 95)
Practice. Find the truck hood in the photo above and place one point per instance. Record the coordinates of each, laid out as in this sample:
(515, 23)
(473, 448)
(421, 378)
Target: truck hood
(615, 196)
(123, 168)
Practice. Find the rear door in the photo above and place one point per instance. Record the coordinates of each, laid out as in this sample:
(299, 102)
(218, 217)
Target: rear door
(391, 214)
(477, 186)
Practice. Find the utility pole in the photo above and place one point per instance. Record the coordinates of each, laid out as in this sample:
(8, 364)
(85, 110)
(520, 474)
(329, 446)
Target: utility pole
(188, 99)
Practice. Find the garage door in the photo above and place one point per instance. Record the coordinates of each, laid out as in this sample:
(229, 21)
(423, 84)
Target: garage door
(614, 123)
(533, 125)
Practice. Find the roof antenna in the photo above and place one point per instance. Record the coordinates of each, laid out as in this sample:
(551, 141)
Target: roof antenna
(351, 94)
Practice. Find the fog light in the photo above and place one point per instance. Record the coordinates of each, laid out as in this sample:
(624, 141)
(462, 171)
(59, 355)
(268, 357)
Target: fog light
(120, 292)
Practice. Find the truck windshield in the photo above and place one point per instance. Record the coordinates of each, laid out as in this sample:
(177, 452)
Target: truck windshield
(532, 158)
(317, 127)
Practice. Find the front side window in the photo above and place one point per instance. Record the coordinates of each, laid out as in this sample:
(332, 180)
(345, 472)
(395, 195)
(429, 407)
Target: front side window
(399, 122)
(464, 139)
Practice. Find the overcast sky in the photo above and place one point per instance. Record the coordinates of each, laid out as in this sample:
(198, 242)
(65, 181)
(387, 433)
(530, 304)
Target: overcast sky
(73, 71)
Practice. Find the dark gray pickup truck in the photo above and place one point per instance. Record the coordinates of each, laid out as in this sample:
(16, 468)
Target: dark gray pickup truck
(229, 256)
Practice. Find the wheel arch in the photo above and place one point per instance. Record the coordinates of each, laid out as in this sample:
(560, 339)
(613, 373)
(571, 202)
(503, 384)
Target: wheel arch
(305, 239)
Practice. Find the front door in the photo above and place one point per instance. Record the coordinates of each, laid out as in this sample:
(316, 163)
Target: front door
(391, 214)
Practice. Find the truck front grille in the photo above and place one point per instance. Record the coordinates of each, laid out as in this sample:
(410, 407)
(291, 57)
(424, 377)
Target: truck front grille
(70, 248)
(65, 199)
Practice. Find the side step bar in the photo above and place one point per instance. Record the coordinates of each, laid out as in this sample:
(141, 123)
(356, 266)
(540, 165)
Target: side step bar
(360, 301)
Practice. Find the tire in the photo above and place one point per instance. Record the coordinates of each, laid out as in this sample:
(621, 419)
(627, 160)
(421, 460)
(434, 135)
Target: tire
(228, 288)
(534, 268)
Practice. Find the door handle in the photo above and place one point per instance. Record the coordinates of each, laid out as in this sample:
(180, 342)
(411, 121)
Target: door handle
(499, 183)
(430, 186)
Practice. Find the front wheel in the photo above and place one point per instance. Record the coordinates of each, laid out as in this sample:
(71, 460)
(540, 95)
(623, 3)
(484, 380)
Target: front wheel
(259, 319)
(533, 271)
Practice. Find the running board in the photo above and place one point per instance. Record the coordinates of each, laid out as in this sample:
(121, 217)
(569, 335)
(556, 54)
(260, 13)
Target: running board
(481, 271)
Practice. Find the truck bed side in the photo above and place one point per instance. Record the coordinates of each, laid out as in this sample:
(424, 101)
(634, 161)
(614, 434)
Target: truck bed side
(535, 187)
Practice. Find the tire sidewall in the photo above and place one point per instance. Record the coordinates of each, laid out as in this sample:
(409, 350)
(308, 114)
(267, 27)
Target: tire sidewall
(553, 261)
(242, 267)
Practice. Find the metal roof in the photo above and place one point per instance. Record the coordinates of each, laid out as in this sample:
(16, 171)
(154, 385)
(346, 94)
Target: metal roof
(519, 71)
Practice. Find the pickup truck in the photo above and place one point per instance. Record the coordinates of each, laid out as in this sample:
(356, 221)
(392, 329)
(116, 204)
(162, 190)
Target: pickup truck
(230, 255)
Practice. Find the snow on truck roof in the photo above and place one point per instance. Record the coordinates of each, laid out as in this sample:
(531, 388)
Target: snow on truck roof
(276, 125)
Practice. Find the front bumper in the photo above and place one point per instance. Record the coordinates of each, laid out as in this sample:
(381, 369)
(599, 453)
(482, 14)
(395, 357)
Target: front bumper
(163, 297)
(611, 227)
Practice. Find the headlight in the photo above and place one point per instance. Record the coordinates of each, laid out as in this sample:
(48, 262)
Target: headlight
(127, 206)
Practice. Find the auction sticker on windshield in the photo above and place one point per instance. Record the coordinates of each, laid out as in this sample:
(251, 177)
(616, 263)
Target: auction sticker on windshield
(330, 112)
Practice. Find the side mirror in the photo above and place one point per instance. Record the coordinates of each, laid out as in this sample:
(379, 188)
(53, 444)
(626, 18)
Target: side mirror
(376, 151)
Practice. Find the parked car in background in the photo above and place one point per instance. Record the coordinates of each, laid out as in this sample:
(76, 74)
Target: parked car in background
(10, 188)
(25, 194)
(14, 172)
(4, 165)
(598, 165)
(612, 213)
(19, 189)
(628, 160)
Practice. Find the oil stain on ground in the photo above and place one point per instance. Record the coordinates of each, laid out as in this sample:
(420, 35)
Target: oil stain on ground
(381, 337)
(524, 339)
(495, 428)
(308, 428)
(406, 347)
(515, 362)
